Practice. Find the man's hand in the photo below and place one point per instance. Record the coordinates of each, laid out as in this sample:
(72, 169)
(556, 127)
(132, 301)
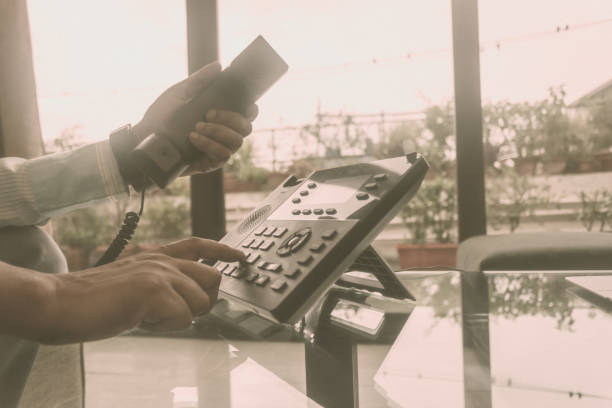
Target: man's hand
(162, 290)
(218, 138)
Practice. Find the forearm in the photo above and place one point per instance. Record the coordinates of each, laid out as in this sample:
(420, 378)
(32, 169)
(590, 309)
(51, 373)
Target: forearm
(33, 190)
(24, 302)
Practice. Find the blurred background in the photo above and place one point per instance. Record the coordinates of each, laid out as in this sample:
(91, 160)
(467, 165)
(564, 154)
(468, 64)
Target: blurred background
(364, 83)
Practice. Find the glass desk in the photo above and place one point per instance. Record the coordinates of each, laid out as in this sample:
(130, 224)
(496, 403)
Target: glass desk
(499, 340)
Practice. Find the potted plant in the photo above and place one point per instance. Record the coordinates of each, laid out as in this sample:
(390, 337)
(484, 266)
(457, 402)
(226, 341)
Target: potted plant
(431, 219)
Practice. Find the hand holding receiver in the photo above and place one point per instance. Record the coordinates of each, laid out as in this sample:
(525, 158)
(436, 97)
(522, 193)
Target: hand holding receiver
(169, 150)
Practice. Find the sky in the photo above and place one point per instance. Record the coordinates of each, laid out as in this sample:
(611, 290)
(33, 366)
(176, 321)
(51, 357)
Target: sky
(98, 65)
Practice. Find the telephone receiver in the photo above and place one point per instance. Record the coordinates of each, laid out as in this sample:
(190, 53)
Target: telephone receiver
(162, 157)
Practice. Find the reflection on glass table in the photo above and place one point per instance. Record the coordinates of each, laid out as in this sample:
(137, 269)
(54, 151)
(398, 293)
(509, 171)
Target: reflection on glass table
(532, 343)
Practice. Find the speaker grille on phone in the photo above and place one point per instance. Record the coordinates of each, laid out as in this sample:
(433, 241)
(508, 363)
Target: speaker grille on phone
(253, 219)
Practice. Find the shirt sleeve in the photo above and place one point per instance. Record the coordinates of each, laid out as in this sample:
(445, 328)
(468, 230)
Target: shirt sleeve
(32, 191)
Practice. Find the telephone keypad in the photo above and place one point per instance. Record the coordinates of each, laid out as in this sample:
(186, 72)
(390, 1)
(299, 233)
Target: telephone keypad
(278, 272)
(259, 266)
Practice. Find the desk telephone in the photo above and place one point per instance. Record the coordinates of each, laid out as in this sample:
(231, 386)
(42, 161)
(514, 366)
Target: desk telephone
(309, 231)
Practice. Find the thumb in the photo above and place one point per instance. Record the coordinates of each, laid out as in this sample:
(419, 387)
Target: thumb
(190, 86)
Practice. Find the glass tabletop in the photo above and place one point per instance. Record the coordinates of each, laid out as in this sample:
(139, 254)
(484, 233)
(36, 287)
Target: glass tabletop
(525, 340)
(470, 340)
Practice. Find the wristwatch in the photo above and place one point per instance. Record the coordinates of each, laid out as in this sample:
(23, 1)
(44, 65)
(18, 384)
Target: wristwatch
(122, 142)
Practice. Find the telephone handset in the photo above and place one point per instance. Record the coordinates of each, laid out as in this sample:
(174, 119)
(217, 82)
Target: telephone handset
(164, 156)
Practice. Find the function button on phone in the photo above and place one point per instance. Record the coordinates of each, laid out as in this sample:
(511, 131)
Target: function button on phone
(363, 196)
(248, 243)
(330, 211)
(274, 267)
(278, 285)
(380, 177)
(306, 211)
(294, 242)
(329, 234)
(318, 247)
(371, 186)
(257, 244)
(305, 260)
(252, 258)
(293, 273)
(251, 276)
(296, 212)
(318, 211)
(269, 231)
(304, 193)
(262, 265)
(260, 231)
(312, 185)
(262, 280)
(296, 200)
(266, 245)
(279, 232)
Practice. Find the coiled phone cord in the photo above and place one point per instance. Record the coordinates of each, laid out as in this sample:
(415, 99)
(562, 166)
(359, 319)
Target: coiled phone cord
(130, 223)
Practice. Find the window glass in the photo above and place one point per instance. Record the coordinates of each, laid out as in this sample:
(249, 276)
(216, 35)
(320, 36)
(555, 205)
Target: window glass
(547, 103)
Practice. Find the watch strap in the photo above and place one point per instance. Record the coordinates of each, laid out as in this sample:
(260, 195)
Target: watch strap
(122, 142)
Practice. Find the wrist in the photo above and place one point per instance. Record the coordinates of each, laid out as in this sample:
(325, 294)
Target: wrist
(122, 142)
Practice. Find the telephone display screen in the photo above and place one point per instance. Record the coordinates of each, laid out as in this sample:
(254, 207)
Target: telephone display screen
(336, 191)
